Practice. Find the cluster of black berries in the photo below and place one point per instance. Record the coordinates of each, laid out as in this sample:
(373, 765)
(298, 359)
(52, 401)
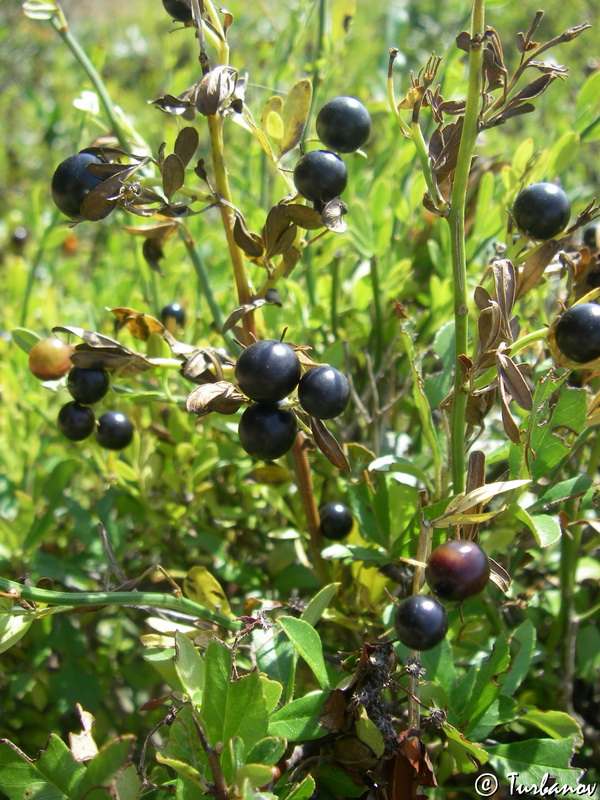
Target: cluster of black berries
(456, 570)
(76, 420)
(343, 125)
(268, 372)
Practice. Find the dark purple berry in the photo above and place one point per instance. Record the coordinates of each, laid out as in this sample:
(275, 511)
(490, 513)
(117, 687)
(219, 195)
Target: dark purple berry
(542, 210)
(114, 431)
(336, 521)
(267, 431)
(457, 570)
(324, 392)
(421, 622)
(267, 371)
(343, 124)
(320, 176)
(76, 422)
(72, 181)
(578, 333)
(87, 386)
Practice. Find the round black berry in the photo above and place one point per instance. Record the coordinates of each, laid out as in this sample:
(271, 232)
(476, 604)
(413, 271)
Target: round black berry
(343, 124)
(178, 9)
(76, 422)
(542, 210)
(324, 392)
(267, 431)
(457, 570)
(267, 371)
(320, 176)
(578, 333)
(173, 315)
(336, 521)
(72, 181)
(114, 431)
(87, 385)
(421, 622)
(50, 359)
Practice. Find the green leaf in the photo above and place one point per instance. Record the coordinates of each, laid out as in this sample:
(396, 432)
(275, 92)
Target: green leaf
(128, 783)
(162, 659)
(101, 770)
(183, 769)
(268, 751)
(276, 657)
(549, 438)
(317, 605)
(534, 759)
(189, 667)
(257, 774)
(557, 724)
(272, 691)
(439, 663)
(14, 623)
(561, 492)
(223, 701)
(464, 751)
(475, 700)
(302, 790)
(545, 529)
(52, 776)
(201, 586)
(308, 644)
(24, 338)
(437, 386)
(297, 721)
(523, 638)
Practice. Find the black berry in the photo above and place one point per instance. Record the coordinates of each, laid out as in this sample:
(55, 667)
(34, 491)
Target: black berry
(578, 333)
(590, 236)
(542, 210)
(343, 124)
(76, 422)
(173, 316)
(178, 9)
(320, 176)
(50, 359)
(87, 386)
(324, 392)
(267, 371)
(421, 622)
(72, 181)
(114, 431)
(336, 521)
(457, 570)
(267, 431)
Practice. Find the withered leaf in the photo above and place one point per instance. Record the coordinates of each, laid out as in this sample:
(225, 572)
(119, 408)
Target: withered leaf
(153, 253)
(333, 215)
(463, 41)
(186, 144)
(215, 90)
(453, 106)
(173, 175)
(175, 105)
(249, 242)
(328, 445)
(139, 325)
(278, 233)
(290, 259)
(304, 216)
(335, 715)
(415, 752)
(204, 366)
(512, 378)
(241, 311)
(445, 162)
(534, 267)
(508, 421)
(92, 338)
(222, 397)
(525, 41)
(162, 230)
(550, 67)
(110, 358)
(499, 576)
(508, 113)
(533, 89)
(505, 282)
(294, 115)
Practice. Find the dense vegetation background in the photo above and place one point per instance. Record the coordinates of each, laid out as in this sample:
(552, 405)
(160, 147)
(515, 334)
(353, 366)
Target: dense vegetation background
(185, 494)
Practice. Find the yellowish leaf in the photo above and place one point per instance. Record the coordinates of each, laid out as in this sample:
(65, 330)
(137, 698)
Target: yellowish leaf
(202, 587)
(294, 114)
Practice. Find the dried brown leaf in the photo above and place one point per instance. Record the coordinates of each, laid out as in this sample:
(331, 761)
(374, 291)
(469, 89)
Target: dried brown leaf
(534, 267)
(204, 366)
(508, 421)
(186, 144)
(332, 215)
(139, 325)
(222, 397)
(304, 216)
(278, 233)
(512, 379)
(250, 243)
(499, 576)
(328, 445)
(173, 175)
(215, 90)
(153, 253)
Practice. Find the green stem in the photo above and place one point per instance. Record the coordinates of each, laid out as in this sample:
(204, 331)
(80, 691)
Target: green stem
(456, 221)
(134, 598)
(59, 23)
(421, 147)
(378, 323)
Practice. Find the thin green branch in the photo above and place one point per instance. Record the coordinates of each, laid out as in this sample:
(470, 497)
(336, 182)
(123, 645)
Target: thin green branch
(86, 599)
(456, 221)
